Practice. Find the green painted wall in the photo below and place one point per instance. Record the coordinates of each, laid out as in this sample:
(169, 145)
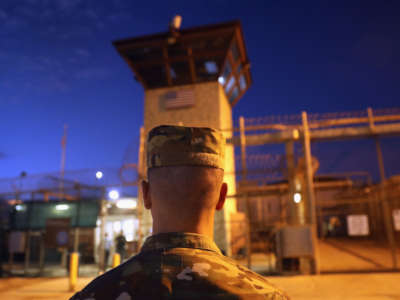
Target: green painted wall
(33, 215)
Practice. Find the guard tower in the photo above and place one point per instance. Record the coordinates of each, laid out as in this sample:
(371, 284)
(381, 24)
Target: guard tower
(193, 77)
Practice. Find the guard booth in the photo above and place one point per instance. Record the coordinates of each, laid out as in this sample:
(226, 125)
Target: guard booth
(43, 233)
(194, 77)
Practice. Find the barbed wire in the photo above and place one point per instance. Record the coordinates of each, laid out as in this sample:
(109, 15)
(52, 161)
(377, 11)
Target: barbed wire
(275, 119)
(295, 119)
(84, 180)
(261, 158)
(259, 164)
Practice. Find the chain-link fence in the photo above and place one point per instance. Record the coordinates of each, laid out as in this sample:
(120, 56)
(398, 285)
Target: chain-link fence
(346, 190)
(320, 188)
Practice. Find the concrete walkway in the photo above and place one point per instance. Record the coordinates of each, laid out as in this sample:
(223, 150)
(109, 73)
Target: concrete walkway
(333, 258)
(377, 286)
(354, 255)
(37, 288)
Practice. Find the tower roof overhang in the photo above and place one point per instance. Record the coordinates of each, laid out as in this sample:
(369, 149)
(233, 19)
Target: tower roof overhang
(189, 56)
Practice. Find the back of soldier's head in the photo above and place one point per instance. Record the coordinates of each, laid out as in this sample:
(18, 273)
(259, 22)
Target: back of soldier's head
(185, 165)
(194, 186)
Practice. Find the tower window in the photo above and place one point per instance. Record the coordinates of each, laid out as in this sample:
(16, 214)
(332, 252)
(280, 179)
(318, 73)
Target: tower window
(172, 73)
(235, 52)
(242, 82)
(208, 68)
(182, 72)
(230, 84)
(234, 95)
(211, 67)
(227, 71)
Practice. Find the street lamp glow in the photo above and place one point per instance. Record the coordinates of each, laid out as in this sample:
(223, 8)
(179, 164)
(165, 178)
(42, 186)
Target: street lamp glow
(20, 207)
(126, 203)
(297, 197)
(114, 195)
(99, 174)
(62, 206)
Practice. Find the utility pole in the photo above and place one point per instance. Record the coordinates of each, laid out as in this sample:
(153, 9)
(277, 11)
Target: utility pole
(311, 207)
(63, 147)
(140, 169)
(103, 213)
(244, 178)
(293, 214)
(387, 216)
(76, 229)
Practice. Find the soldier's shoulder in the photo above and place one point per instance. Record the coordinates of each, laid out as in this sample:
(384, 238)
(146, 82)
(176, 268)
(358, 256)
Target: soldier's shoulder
(112, 283)
(228, 275)
(244, 281)
(105, 281)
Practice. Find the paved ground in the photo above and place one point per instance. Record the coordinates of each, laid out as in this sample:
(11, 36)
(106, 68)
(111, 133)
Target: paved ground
(376, 286)
(37, 288)
(354, 255)
(336, 255)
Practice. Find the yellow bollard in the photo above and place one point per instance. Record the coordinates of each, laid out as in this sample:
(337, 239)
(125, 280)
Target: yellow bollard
(73, 270)
(116, 260)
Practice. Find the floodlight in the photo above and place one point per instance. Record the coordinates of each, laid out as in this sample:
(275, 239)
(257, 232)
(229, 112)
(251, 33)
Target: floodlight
(297, 197)
(113, 194)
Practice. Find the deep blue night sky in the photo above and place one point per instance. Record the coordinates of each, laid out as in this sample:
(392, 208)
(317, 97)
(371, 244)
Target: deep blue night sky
(57, 66)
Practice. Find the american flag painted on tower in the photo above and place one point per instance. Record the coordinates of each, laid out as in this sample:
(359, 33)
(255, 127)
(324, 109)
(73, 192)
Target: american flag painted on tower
(179, 99)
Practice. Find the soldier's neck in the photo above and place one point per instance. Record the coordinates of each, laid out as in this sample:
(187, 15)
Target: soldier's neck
(205, 227)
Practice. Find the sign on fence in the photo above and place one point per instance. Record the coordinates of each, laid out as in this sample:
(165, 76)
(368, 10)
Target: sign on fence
(357, 225)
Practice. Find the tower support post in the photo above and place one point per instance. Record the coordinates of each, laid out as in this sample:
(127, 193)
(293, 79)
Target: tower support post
(311, 207)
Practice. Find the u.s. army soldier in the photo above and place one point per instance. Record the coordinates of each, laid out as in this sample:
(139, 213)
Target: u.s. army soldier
(180, 260)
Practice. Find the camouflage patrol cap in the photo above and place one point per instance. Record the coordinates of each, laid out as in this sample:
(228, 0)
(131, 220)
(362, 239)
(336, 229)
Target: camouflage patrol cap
(180, 146)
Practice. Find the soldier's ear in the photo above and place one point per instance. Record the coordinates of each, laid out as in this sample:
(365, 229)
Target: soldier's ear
(222, 196)
(146, 194)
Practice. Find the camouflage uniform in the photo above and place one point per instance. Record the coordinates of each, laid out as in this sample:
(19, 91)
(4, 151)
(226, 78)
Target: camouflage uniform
(181, 265)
